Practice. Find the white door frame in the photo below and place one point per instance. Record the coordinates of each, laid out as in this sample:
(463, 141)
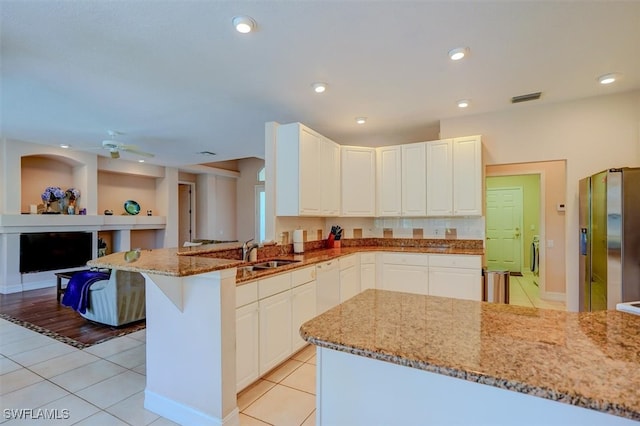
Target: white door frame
(521, 223)
(192, 187)
(542, 269)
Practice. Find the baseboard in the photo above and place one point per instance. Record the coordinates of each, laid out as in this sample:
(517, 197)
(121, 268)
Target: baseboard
(553, 296)
(183, 414)
(37, 285)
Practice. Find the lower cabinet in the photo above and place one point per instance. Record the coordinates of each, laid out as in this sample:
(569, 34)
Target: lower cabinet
(458, 276)
(408, 273)
(247, 345)
(349, 277)
(303, 308)
(275, 324)
(456, 283)
(367, 271)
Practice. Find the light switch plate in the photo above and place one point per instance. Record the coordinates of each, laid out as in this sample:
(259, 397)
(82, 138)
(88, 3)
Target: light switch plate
(630, 307)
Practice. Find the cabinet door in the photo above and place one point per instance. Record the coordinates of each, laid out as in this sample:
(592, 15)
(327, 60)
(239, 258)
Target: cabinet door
(440, 178)
(247, 344)
(275, 326)
(303, 308)
(389, 181)
(406, 278)
(310, 151)
(414, 180)
(358, 170)
(467, 176)
(349, 283)
(456, 283)
(327, 286)
(329, 177)
(367, 276)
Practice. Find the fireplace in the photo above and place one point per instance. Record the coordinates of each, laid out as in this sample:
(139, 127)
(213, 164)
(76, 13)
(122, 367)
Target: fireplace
(47, 251)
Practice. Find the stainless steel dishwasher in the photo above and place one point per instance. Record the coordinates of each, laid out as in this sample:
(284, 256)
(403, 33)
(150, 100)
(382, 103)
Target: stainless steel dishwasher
(327, 285)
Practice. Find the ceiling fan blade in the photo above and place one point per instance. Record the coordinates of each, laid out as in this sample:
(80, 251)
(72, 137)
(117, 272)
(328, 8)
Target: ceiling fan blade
(134, 150)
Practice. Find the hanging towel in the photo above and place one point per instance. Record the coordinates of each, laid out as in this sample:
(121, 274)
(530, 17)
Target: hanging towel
(76, 296)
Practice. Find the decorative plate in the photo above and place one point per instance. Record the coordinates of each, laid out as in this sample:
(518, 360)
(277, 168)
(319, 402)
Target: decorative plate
(131, 207)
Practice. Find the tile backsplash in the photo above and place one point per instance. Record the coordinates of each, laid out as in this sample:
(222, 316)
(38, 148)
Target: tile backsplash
(468, 228)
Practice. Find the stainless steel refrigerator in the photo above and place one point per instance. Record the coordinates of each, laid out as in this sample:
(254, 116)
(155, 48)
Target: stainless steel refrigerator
(609, 239)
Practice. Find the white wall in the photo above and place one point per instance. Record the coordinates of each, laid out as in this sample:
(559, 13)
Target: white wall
(591, 134)
(245, 202)
(216, 207)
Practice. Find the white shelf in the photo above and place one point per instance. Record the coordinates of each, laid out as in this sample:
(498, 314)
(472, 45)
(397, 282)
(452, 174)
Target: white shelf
(16, 223)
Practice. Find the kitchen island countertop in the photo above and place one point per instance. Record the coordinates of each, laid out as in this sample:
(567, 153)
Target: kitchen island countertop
(587, 359)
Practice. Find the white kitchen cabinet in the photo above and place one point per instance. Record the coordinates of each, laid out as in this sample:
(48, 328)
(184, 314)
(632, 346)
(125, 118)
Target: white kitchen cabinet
(457, 276)
(414, 179)
(349, 277)
(304, 160)
(454, 177)
(275, 330)
(405, 272)
(303, 303)
(247, 345)
(440, 178)
(367, 271)
(329, 178)
(389, 181)
(467, 176)
(327, 285)
(358, 174)
(303, 309)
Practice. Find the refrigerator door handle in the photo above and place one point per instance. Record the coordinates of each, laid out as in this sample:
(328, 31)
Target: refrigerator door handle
(583, 241)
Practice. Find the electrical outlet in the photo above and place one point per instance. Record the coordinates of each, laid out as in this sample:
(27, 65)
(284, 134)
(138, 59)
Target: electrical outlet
(550, 243)
(533, 227)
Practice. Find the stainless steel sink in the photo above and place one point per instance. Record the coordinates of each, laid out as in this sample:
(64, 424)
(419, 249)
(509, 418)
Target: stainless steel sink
(271, 264)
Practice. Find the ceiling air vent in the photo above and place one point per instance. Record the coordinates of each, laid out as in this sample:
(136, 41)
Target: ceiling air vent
(526, 98)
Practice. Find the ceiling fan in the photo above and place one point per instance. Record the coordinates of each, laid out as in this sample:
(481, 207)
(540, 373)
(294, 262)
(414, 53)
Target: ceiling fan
(115, 147)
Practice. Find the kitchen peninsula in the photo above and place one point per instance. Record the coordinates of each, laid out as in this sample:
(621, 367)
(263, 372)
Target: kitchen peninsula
(589, 360)
(397, 358)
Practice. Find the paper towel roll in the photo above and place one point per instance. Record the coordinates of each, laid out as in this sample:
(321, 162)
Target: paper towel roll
(298, 241)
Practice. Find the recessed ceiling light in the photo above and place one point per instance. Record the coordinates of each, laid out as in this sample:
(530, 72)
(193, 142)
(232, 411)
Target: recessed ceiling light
(463, 103)
(319, 87)
(607, 78)
(244, 24)
(458, 53)
(140, 161)
(65, 146)
(361, 120)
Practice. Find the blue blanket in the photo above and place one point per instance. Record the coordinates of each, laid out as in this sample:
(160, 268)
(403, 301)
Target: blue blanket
(76, 296)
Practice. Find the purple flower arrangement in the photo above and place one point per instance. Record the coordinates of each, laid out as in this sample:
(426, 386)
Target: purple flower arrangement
(73, 194)
(52, 193)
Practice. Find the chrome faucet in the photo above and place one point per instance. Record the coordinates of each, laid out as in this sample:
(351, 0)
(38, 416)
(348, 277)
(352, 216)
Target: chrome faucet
(246, 249)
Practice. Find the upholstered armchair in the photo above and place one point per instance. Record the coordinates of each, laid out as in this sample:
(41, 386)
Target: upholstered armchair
(117, 301)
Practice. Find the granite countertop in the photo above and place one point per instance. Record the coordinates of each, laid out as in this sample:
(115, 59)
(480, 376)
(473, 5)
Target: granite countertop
(163, 262)
(186, 261)
(588, 359)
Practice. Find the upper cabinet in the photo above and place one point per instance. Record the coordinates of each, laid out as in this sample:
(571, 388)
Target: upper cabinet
(454, 177)
(358, 181)
(389, 181)
(414, 179)
(467, 176)
(307, 173)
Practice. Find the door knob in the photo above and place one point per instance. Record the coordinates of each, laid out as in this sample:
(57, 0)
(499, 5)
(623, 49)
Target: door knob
(517, 233)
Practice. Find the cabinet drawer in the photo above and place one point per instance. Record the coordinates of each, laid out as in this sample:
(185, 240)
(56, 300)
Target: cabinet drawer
(273, 285)
(246, 293)
(348, 261)
(367, 258)
(304, 275)
(455, 261)
(405, 259)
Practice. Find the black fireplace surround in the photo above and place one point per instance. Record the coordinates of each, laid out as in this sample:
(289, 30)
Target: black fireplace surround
(48, 251)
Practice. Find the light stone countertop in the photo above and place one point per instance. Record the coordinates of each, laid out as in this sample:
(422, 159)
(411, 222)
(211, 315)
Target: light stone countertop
(588, 359)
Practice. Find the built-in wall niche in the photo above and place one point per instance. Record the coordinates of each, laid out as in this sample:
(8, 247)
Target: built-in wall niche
(107, 238)
(41, 171)
(146, 238)
(116, 188)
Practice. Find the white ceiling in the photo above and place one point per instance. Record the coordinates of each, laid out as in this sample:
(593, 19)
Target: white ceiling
(176, 78)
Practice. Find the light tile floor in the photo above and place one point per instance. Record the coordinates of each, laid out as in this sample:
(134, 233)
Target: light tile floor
(524, 292)
(104, 384)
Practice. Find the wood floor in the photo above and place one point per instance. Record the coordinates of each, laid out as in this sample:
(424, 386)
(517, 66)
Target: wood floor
(40, 307)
